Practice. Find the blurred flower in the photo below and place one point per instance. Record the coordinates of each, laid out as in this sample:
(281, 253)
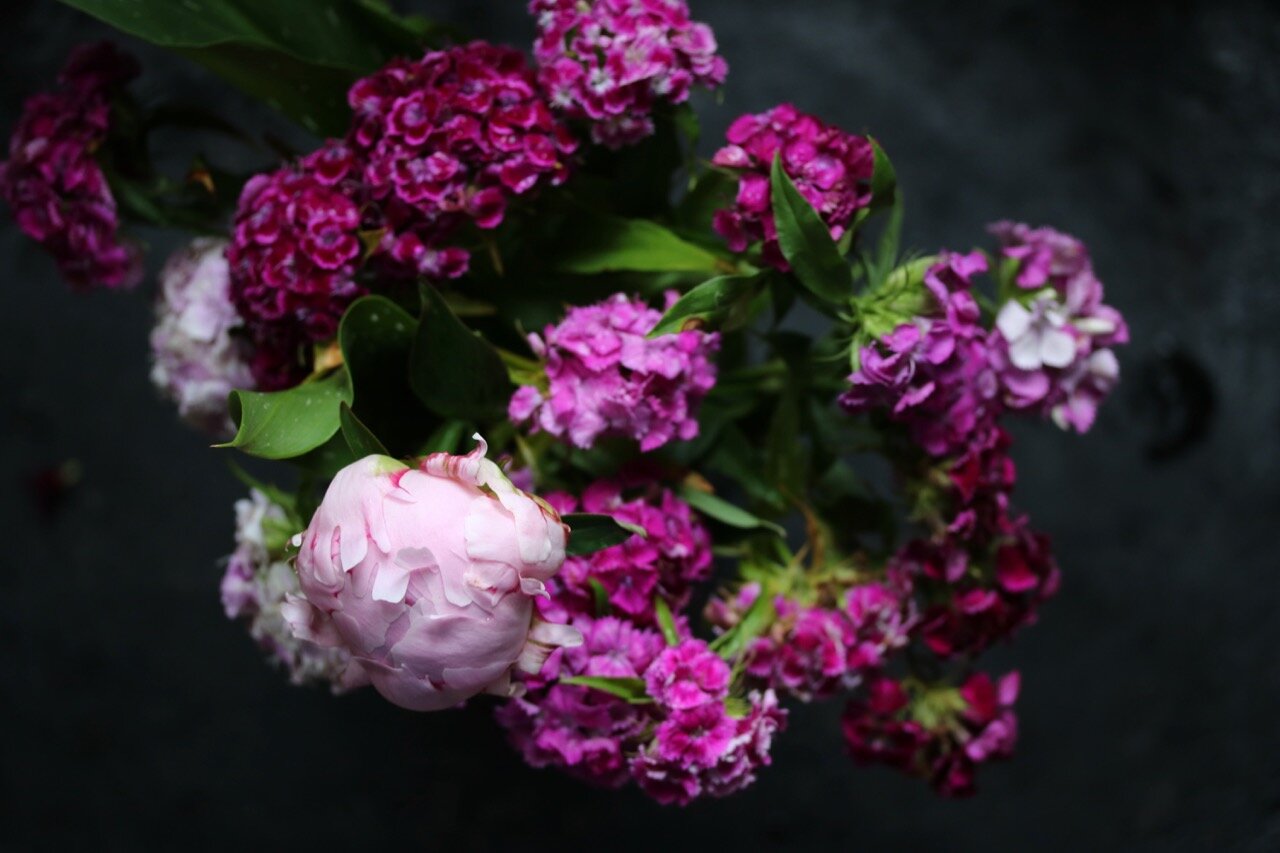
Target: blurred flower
(197, 361)
(56, 189)
(255, 587)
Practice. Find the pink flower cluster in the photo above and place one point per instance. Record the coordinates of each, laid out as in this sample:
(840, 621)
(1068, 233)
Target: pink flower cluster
(933, 372)
(682, 745)
(612, 61)
(56, 189)
(451, 138)
(675, 555)
(1053, 351)
(943, 741)
(590, 733)
(831, 169)
(814, 652)
(700, 748)
(606, 378)
(294, 255)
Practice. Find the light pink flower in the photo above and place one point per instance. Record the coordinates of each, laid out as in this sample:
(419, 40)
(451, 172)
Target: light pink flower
(427, 575)
(197, 360)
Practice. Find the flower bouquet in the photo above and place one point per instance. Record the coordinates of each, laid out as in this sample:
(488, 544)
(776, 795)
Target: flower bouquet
(642, 445)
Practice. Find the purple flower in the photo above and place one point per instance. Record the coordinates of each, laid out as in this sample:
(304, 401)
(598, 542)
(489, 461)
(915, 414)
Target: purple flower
(674, 555)
(588, 732)
(934, 374)
(1052, 352)
(197, 361)
(830, 168)
(605, 378)
(57, 192)
(686, 676)
(612, 61)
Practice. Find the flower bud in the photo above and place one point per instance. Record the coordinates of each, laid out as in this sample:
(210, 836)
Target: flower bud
(427, 575)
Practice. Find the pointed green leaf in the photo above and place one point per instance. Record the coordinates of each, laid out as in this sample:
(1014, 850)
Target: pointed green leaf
(666, 622)
(754, 622)
(285, 424)
(454, 371)
(591, 532)
(376, 337)
(717, 304)
(884, 179)
(630, 689)
(806, 241)
(613, 244)
(358, 437)
(297, 55)
(724, 512)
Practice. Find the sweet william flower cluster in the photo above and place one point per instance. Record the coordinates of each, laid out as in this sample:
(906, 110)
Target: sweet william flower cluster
(664, 534)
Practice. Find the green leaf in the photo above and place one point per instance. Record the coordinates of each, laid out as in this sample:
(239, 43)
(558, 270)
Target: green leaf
(298, 55)
(445, 439)
(666, 621)
(724, 512)
(720, 303)
(358, 437)
(884, 179)
(630, 689)
(613, 244)
(600, 596)
(806, 241)
(454, 371)
(754, 622)
(285, 424)
(376, 336)
(591, 532)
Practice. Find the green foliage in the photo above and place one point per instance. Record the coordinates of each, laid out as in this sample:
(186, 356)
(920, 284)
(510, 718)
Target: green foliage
(666, 622)
(300, 56)
(806, 242)
(285, 424)
(376, 336)
(358, 437)
(613, 244)
(590, 532)
(630, 689)
(758, 617)
(724, 512)
(454, 371)
(721, 303)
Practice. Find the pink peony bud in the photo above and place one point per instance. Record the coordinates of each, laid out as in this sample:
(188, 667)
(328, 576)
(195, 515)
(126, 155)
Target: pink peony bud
(427, 576)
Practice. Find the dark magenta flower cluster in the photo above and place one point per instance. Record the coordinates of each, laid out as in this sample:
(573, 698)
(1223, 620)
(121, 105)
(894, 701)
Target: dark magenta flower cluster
(56, 188)
(830, 168)
(941, 735)
(435, 144)
(612, 62)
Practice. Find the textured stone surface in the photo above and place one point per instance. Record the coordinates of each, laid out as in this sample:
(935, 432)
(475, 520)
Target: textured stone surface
(137, 715)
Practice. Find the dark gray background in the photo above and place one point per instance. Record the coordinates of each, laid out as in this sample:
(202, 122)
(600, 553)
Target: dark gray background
(135, 715)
